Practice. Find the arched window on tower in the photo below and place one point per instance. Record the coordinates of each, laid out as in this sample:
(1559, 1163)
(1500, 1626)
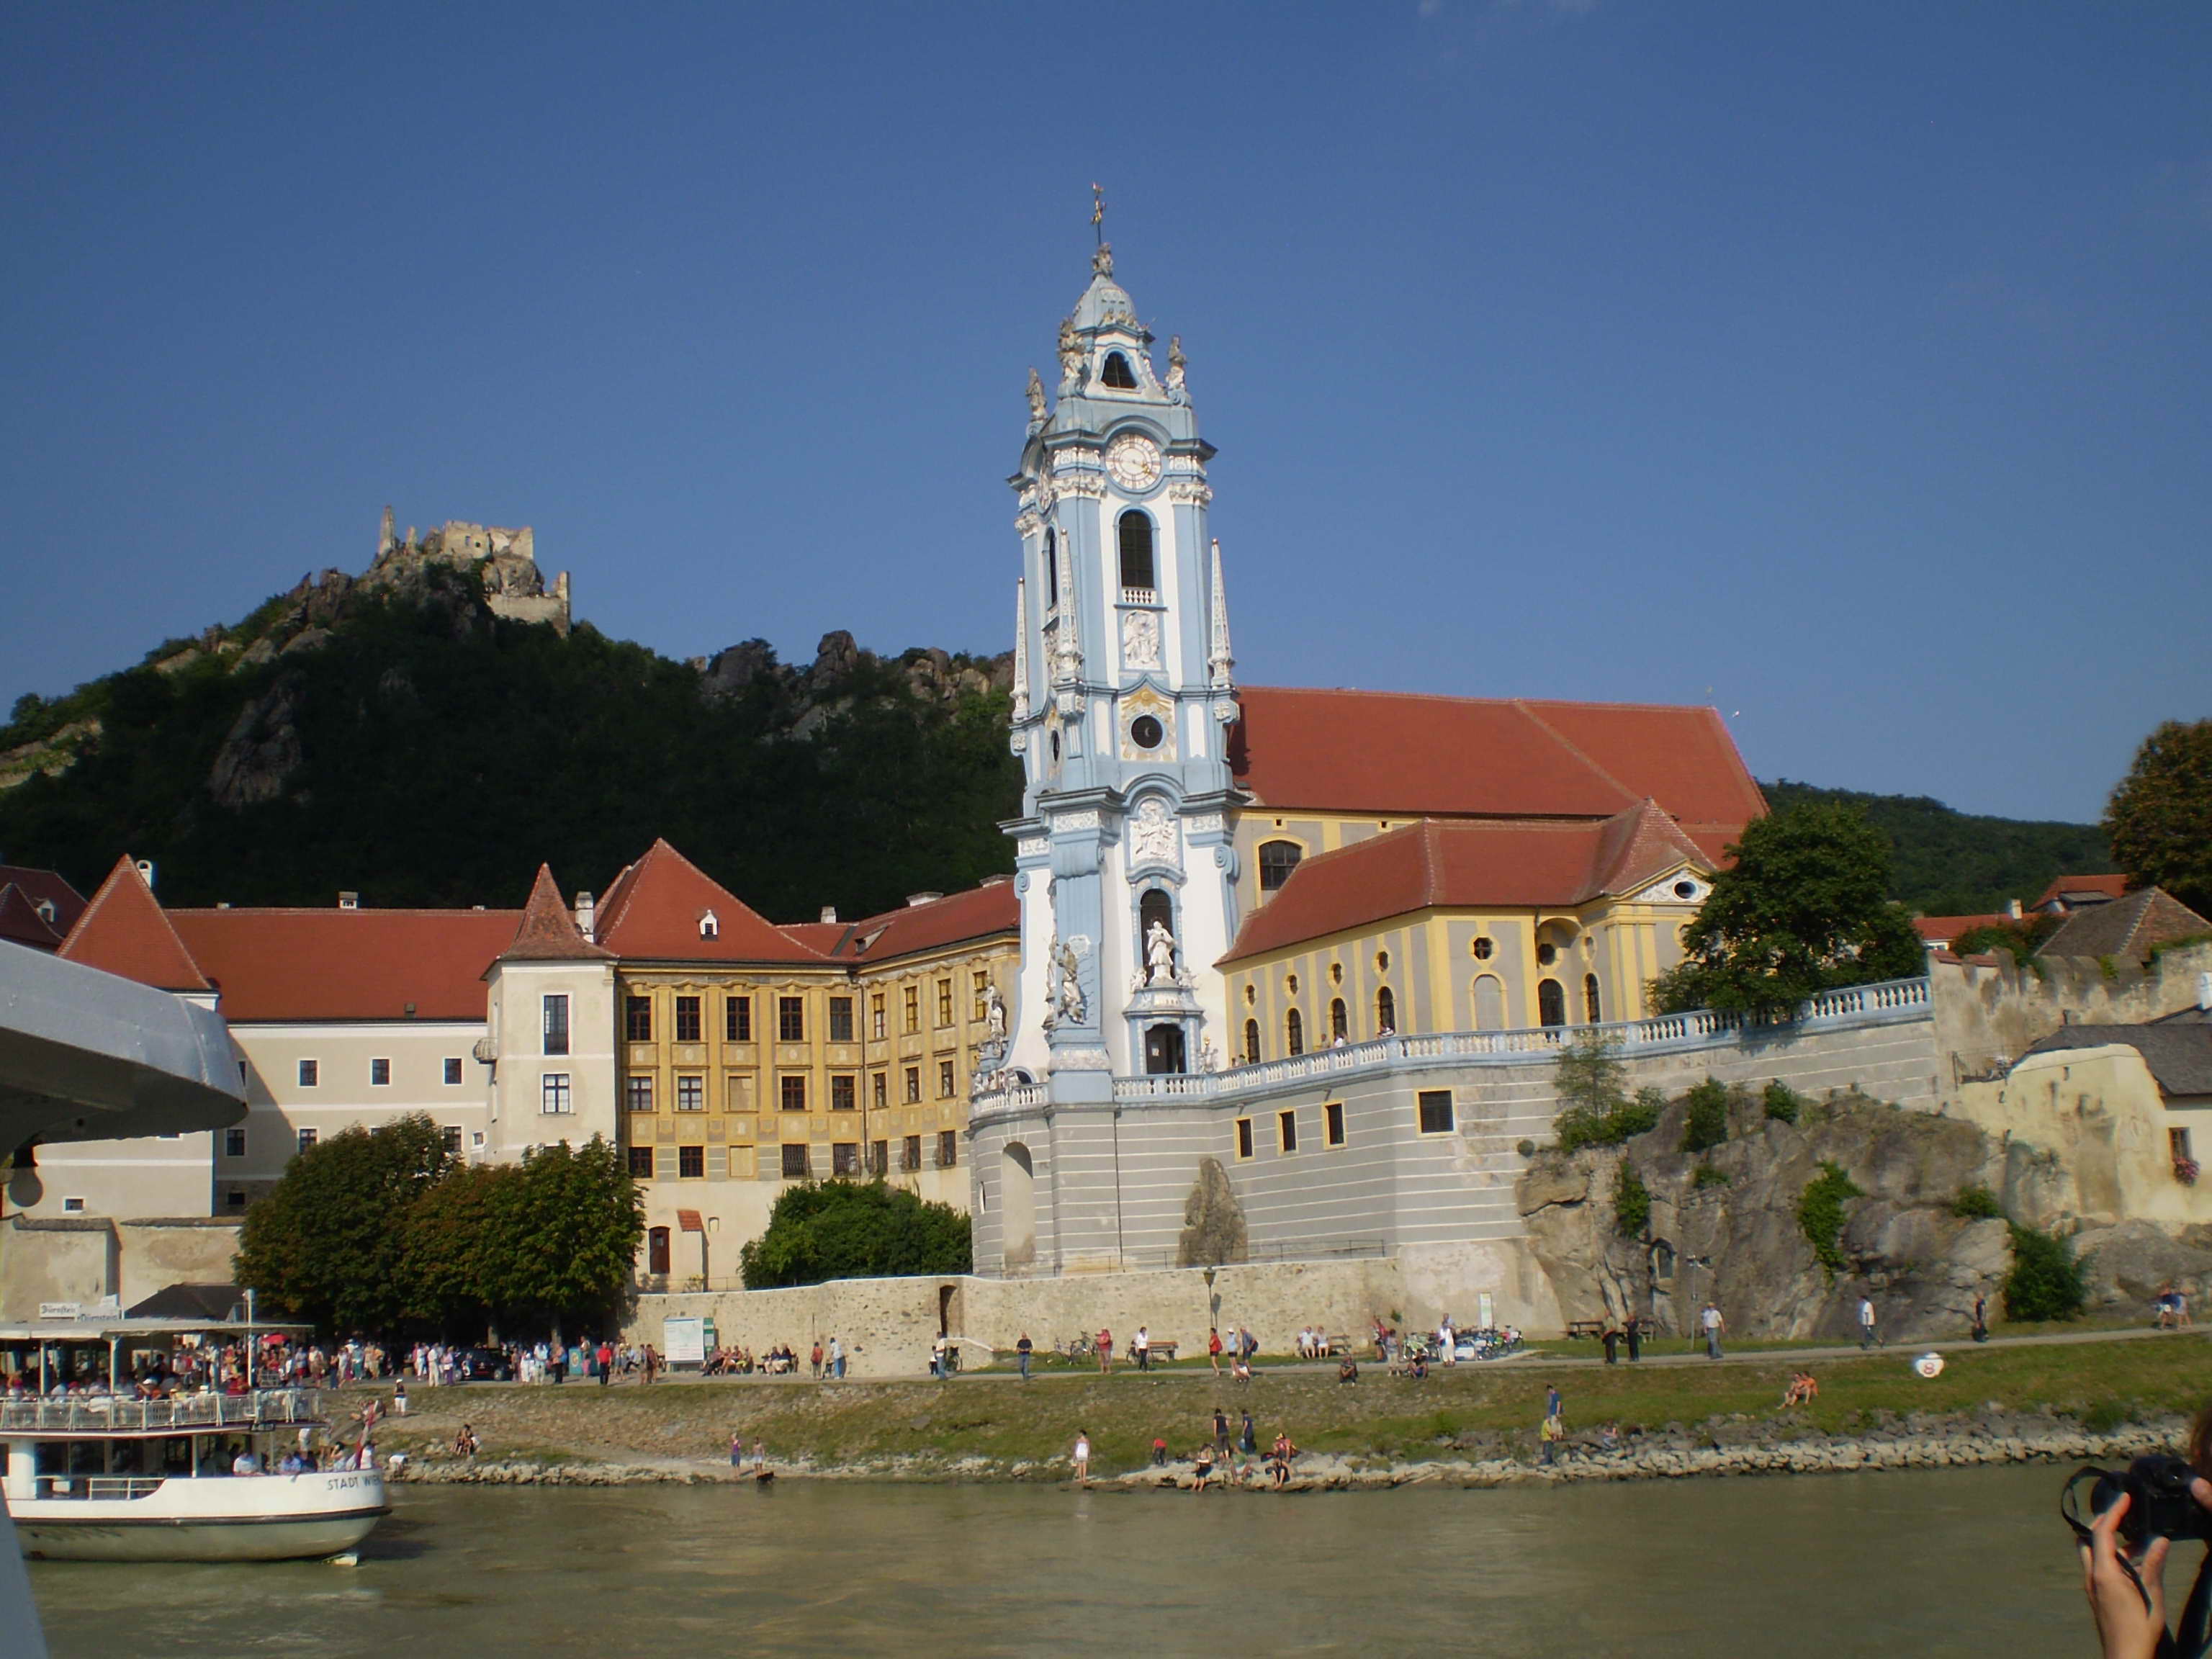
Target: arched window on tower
(1136, 531)
(1116, 373)
(1386, 1012)
(1294, 1032)
(1051, 569)
(1589, 998)
(1277, 859)
(1251, 1042)
(1551, 1003)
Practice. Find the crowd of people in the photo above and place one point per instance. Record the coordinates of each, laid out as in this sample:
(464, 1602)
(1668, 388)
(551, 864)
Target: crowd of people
(1222, 1457)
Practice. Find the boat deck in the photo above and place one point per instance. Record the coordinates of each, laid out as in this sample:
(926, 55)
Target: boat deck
(110, 1416)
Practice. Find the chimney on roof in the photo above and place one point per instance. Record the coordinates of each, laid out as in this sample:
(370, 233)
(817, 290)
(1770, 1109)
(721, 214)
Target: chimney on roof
(2012, 908)
(222, 904)
(587, 912)
(411, 1011)
(146, 873)
(829, 913)
(2204, 992)
(348, 901)
(994, 881)
(913, 899)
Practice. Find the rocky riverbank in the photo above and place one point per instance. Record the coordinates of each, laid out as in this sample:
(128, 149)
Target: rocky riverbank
(1985, 1439)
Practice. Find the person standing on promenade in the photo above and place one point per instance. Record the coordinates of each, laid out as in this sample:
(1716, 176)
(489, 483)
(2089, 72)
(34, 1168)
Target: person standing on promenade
(1981, 1317)
(1611, 1339)
(1214, 1347)
(1714, 1325)
(1634, 1333)
(1867, 1333)
(836, 1359)
(1141, 1345)
(1082, 1457)
(1023, 1349)
(815, 1359)
(1105, 1351)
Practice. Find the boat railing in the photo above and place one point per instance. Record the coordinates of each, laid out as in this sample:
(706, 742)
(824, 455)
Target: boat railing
(108, 1414)
(98, 1487)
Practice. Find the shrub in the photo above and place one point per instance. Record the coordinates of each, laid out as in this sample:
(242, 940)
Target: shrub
(2046, 1282)
(1632, 1202)
(1709, 1177)
(1976, 1203)
(1783, 1102)
(1526, 1148)
(1706, 1126)
(1585, 1125)
(1641, 1115)
(1821, 1215)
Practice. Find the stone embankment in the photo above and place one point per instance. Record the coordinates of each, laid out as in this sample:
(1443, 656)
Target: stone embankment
(1672, 1455)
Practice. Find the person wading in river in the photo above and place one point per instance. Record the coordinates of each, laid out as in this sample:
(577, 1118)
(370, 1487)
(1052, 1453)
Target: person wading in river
(1082, 1457)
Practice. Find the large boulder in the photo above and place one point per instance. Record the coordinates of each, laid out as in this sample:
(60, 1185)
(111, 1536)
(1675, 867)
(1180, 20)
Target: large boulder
(2125, 1266)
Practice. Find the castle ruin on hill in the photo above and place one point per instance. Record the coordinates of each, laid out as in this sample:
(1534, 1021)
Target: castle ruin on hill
(513, 587)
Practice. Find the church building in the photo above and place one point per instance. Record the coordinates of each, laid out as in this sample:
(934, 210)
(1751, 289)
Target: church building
(1247, 913)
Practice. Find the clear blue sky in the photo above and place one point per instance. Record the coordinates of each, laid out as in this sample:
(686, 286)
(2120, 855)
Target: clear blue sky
(1846, 366)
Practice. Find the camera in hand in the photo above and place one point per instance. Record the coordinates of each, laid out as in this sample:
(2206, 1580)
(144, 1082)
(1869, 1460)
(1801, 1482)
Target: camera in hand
(2160, 1503)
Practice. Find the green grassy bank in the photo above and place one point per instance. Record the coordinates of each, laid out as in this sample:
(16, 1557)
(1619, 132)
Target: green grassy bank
(1487, 1410)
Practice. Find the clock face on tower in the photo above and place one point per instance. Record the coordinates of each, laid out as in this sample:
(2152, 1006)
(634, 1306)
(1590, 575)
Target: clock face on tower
(1135, 461)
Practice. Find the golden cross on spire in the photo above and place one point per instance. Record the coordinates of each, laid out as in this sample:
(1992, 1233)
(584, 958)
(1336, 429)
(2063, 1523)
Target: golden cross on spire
(1098, 210)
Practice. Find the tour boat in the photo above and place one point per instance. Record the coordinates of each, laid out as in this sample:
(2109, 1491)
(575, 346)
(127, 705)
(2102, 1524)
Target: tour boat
(94, 1477)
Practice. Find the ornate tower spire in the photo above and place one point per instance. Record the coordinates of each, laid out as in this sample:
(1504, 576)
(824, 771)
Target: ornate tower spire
(1219, 661)
(1021, 649)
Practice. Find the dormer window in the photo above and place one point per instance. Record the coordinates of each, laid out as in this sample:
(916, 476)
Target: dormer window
(1136, 538)
(708, 926)
(47, 911)
(1116, 373)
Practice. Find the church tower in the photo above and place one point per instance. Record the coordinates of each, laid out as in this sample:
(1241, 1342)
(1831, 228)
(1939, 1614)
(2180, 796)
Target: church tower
(1123, 696)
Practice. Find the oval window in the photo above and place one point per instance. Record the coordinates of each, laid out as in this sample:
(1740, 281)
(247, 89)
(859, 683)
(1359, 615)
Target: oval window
(1547, 954)
(1146, 731)
(1684, 889)
(1483, 948)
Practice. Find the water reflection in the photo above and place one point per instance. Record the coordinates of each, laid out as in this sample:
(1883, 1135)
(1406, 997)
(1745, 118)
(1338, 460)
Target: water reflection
(1956, 1563)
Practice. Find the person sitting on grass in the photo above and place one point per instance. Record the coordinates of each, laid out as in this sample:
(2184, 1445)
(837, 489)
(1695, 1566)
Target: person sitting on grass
(1347, 1370)
(1803, 1389)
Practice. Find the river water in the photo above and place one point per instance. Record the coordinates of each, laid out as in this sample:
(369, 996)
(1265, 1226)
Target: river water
(1966, 1562)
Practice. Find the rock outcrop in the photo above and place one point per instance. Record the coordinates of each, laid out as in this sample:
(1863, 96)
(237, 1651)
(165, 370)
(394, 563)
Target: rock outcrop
(1724, 1225)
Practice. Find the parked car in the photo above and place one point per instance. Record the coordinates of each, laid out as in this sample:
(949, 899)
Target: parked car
(484, 1365)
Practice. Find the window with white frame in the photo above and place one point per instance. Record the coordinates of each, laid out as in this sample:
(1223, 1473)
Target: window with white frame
(554, 1094)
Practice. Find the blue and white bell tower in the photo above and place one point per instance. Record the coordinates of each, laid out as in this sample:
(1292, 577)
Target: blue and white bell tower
(1123, 696)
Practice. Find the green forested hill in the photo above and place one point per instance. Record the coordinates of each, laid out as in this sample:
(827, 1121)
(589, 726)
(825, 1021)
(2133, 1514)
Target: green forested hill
(416, 749)
(388, 734)
(1956, 864)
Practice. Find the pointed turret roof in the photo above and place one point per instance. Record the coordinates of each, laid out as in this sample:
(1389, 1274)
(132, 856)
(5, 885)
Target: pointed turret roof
(125, 931)
(655, 910)
(547, 932)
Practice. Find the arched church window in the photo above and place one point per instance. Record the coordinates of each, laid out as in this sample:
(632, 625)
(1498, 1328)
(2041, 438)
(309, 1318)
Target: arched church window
(1386, 1012)
(1051, 569)
(1551, 1003)
(1117, 373)
(1251, 1042)
(1590, 998)
(1136, 534)
(1337, 1021)
(1277, 859)
(1294, 1032)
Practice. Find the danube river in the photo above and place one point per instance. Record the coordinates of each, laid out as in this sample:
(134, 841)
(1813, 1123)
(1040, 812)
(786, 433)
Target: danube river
(1971, 1562)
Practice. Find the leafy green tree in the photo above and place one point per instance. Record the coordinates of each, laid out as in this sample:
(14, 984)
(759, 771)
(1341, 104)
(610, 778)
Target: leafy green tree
(2045, 1281)
(1803, 910)
(2159, 818)
(450, 1252)
(855, 1229)
(565, 1226)
(328, 1244)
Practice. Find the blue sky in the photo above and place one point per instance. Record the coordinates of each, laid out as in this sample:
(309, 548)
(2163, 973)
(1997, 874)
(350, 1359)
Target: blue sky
(1844, 367)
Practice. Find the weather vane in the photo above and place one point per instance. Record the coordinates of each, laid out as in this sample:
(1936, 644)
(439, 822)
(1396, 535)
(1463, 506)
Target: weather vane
(1099, 211)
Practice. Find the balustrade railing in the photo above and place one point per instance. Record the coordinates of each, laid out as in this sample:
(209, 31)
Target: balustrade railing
(114, 1414)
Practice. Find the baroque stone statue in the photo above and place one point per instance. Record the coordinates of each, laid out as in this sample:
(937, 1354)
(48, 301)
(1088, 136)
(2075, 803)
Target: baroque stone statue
(1159, 955)
(995, 1007)
(1071, 351)
(1152, 834)
(1036, 399)
(1177, 363)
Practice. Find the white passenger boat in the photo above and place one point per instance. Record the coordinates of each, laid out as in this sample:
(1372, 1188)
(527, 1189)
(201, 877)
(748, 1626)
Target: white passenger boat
(104, 1479)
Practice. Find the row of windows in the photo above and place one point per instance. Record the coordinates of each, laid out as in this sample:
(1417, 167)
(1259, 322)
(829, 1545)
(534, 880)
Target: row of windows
(689, 1163)
(234, 1140)
(790, 1015)
(380, 1073)
(1432, 1112)
(1550, 1010)
(791, 1090)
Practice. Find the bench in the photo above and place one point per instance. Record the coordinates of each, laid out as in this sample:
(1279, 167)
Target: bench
(1585, 1327)
(1163, 1352)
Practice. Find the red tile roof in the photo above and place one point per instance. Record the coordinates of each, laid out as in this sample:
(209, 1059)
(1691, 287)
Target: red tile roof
(1442, 863)
(125, 931)
(285, 964)
(2107, 887)
(980, 913)
(43, 886)
(652, 912)
(547, 932)
(1386, 753)
(21, 923)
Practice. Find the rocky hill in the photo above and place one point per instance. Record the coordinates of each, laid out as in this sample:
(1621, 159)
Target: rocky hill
(402, 734)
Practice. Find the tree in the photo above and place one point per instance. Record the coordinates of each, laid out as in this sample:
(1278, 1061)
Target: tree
(1803, 910)
(855, 1229)
(328, 1243)
(2159, 818)
(565, 1227)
